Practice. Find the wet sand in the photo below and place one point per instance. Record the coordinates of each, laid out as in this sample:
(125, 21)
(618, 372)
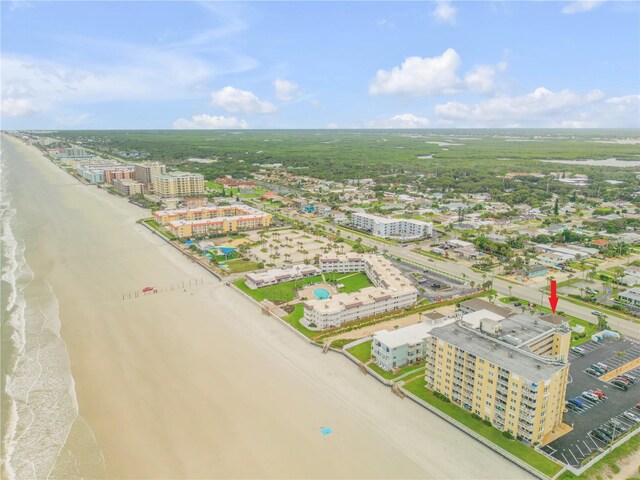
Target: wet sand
(195, 382)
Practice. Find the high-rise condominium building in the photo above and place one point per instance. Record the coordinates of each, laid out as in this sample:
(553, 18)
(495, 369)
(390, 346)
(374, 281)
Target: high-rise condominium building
(178, 184)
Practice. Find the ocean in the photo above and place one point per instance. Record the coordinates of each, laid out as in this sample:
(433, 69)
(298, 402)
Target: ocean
(39, 404)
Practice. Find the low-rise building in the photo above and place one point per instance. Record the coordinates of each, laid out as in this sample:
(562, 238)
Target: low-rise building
(477, 304)
(383, 227)
(405, 346)
(630, 297)
(196, 222)
(391, 291)
(279, 275)
(128, 187)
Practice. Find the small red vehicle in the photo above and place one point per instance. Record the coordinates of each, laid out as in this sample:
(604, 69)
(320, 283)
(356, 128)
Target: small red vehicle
(600, 394)
(147, 289)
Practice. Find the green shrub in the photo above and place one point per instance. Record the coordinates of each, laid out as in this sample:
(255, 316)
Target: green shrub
(508, 434)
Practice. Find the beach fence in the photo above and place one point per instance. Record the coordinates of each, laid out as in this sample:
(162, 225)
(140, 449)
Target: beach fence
(182, 286)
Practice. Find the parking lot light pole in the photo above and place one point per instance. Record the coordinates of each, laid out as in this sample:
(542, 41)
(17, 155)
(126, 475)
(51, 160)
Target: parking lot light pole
(613, 436)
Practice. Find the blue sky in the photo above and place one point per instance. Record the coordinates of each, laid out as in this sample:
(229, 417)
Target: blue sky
(124, 65)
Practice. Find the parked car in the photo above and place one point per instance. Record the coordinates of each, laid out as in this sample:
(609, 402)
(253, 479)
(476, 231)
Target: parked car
(631, 416)
(591, 371)
(580, 351)
(599, 435)
(622, 379)
(598, 369)
(573, 408)
(617, 425)
(590, 396)
(517, 304)
(620, 385)
(577, 401)
(600, 394)
(638, 405)
(603, 366)
(608, 432)
(631, 378)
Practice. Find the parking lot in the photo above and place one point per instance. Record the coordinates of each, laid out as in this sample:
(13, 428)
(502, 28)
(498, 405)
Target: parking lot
(424, 280)
(597, 413)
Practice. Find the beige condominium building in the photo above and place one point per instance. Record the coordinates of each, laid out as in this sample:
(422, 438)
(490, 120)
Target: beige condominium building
(510, 371)
(145, 172)
(391, 291)
(128, 187)
(178, 184)
(203, 221)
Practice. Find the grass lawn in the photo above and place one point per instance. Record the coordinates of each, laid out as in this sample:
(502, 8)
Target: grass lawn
(293, 319)
(401, 371)
(352, 282)
(362, 352)
(153, 224)
(239, 265)
(281, 292)
(520, 450)
(213, 185)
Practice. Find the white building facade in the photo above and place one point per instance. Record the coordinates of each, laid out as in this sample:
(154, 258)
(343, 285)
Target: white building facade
(391, 291)
(405, 229)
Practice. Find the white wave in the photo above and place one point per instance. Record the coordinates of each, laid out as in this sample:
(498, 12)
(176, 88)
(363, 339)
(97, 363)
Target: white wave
(39, 389)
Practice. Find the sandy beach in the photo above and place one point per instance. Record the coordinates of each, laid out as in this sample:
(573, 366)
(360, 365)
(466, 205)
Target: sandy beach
(194, 382)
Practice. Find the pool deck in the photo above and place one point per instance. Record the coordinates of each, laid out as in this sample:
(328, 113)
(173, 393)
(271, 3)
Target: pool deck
(307, 291)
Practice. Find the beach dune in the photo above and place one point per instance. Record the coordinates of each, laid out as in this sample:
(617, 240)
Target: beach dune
(193, 381)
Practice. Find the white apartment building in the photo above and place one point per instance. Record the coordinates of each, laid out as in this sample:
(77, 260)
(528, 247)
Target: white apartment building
(279, 275)
(391, 291)
(405, 229)
(404, 346)
(178, 184)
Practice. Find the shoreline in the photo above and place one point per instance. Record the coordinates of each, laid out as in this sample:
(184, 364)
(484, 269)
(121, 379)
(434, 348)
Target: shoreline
(181, 373)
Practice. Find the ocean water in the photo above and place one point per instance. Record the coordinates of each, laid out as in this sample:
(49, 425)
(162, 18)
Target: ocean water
(39, 407)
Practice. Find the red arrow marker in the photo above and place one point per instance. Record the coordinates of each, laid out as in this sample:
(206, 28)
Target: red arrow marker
(553, 299)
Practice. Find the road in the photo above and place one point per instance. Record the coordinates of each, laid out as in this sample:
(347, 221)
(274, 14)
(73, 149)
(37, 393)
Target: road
(530, 293)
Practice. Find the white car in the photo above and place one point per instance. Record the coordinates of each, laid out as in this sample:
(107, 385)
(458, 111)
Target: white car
(591, 396)
(632, 416)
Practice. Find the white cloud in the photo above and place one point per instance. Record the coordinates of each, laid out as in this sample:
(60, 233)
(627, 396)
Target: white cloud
(204, 121)
(404, 120)
(285, 90)
(17, 107)
(133, 72)
(581, 6)
(544, 108)
(235, 100)
(418, 76)
(445, 12)
(409, 120)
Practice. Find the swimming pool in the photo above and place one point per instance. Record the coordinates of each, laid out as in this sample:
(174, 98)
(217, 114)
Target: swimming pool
(321, 293)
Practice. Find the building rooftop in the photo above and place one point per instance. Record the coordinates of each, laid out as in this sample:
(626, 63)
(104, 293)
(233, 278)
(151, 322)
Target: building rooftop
(409, 335)
(476, 304)
(508, 357)
(388, 281)
(519, 329)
